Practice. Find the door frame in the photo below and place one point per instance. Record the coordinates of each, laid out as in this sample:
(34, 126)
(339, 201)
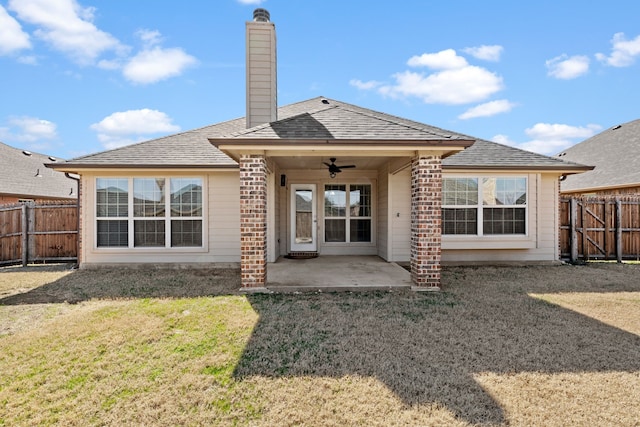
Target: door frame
(313, 245)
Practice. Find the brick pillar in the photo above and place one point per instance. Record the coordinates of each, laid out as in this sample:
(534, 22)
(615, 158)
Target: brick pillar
(426, 226)
(253, 221)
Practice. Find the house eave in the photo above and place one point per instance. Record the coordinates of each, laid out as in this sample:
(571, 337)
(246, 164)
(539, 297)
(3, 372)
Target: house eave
(233, 147)
(563, 169)
(83, 167)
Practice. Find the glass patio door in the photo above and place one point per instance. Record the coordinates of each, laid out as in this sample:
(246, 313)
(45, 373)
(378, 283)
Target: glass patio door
(303, 218)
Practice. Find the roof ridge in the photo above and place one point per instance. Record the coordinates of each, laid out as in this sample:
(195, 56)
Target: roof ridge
(286, 119)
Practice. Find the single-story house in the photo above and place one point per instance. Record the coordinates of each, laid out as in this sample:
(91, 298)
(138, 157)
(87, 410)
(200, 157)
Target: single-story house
(319, 177)
(616, 156)
(24, 177)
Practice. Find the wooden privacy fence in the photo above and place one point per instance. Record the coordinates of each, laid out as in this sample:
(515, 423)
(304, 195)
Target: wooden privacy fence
(600, 228)
(38, 232)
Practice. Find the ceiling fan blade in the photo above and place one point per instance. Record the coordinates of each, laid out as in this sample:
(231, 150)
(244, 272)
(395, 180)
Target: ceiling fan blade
(347, 166)
(326, 164)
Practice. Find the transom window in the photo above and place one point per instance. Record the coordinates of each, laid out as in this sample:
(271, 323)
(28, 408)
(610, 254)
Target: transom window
(347, 213)
(149, 212)
(484, 206)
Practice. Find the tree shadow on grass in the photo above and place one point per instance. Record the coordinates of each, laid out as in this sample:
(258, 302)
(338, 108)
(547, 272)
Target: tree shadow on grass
(84, 285)
(426, 348)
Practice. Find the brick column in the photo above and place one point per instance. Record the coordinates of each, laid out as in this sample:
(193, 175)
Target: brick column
(253, 221)
(426, 226)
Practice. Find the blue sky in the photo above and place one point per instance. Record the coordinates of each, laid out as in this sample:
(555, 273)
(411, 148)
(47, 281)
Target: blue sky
(81, 76)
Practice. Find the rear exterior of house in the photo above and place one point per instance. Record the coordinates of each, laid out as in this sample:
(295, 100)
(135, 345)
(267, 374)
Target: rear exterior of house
(251, 190)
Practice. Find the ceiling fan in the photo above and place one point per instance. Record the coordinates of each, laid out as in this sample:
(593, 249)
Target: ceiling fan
(335, 169)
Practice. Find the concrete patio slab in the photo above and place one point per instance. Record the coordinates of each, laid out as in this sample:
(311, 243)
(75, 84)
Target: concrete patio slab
(336, 273)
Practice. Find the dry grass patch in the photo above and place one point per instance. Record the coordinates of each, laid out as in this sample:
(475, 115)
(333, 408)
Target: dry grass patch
(618, 309)
(133, 351)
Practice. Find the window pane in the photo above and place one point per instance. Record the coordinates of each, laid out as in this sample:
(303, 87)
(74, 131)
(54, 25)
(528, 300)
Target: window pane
(504, 220)
(148, 197)
(113, 233)
(334, 230)
(459, 221)
(504, 191)
(360, 230)
(460, 191)
(112, 197)
(360, 200)
(186, 233)
(335, 200)
(148, 233)
(186, 197)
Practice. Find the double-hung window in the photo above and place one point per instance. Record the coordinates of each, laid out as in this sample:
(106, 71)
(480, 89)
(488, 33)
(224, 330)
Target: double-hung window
(484, 206)
(149, 212)
(347, 213)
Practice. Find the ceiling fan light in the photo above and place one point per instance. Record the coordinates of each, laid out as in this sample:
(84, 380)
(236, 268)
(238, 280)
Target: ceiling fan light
(332, 174)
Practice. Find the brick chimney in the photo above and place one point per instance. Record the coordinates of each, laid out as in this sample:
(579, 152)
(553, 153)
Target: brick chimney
(262, 102)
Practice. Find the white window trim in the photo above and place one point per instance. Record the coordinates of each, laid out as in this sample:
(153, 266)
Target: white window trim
(480, 210)
(130, 218)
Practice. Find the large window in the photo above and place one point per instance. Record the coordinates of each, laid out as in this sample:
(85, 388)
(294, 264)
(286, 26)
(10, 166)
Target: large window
(484, 206)
(149, 212)
(347, 213)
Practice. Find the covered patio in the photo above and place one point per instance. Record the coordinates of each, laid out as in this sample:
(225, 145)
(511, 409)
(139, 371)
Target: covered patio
(335, 274)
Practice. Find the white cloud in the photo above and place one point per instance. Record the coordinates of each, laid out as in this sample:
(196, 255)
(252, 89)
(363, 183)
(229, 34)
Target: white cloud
(444, 60)
(623, 52)
(484, 52)
(68, 27)
(551, 131)
(454, 86)
(549, 138)
(156, 64)
(487, 109)
(566, 68)
(371, 84)
(121, 128)
(12, 38)
(28, 129)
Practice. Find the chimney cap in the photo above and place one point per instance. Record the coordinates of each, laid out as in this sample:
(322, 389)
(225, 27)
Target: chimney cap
(261, 15)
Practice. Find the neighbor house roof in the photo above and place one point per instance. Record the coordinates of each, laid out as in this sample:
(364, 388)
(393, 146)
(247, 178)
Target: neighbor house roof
(615, 153)
(317, 119)
(23, 174)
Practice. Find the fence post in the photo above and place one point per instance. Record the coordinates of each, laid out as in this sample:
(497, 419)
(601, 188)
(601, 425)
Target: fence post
(25, 236)
(618, 230)
(574, 234)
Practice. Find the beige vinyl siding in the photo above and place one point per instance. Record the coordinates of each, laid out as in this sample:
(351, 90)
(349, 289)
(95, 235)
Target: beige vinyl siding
(220, 209)
(224, 217)
(261, 73)
(400, 202)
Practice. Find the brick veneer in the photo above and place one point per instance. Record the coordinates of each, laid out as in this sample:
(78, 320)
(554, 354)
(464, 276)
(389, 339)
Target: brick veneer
(426, 226)
(253, 221)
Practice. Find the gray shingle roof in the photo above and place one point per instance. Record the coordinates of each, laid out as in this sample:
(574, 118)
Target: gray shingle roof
(491, 155)
(316, 118)
(18, 170)
(615, 153)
